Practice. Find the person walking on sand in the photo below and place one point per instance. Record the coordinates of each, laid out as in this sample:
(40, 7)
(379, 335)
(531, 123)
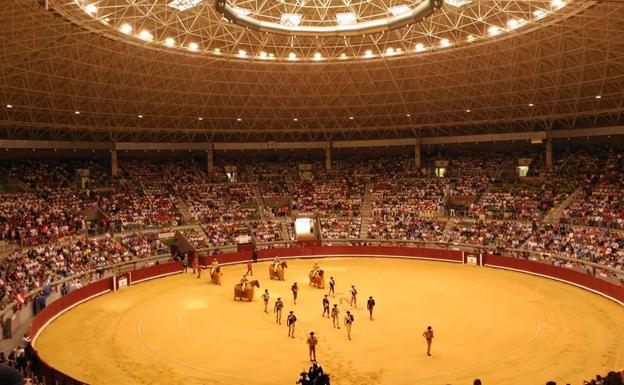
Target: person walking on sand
(290, 322)
(265, 299)
(353, 296)
(277, 309)
(370, 304)
(348, 321)
(332, 287)
(335, 312)
(325, 306)
(294, 288)
(428, 334)
(312, 342)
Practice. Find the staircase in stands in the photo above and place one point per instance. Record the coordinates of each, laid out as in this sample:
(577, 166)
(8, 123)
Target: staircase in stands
(366, 210)
(555, 214)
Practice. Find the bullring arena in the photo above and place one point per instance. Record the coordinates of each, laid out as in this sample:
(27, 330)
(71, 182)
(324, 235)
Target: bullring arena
(173, 173)
(193, 333)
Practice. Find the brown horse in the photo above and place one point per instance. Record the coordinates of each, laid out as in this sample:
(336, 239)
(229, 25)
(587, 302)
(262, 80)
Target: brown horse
(319, 280)
(215, 276)
(279, 272)
(249, 290)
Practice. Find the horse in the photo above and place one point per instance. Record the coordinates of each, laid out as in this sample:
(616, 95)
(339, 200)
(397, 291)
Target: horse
(279, 272)
(318, 280)
(215, 275)
(249, 290)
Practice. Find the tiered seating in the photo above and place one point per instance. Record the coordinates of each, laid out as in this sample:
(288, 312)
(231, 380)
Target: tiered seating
(215, 202)
(503, 234)
(195, 238)
(266, 231)
(219, 233)
(341, 227)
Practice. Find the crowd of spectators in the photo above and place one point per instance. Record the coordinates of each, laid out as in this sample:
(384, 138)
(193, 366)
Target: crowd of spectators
(27, 269)
(214, 202)
(498, 234)
(195, 238)
(406, 227)
(340, 227)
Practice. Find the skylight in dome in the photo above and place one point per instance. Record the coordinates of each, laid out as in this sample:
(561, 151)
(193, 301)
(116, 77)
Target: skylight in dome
(241, 11)
(291, 19)
(457, 3)
(399, 10)
(183, 5)
(345, 18)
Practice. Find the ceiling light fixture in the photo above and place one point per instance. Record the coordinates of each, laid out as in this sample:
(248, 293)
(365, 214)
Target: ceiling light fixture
(126, 28)
(169, 42)
(193, 47)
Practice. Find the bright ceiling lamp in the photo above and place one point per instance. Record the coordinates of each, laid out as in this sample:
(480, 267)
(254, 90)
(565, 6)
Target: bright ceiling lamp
(263, 55)
(368, 54)
(445, 42)
(470, 38)
(145, 35)
(183, 5)
(292, 56)
(557, 4)
(420, 47)
(169, 42)
(513, 23)
(242, 53)
(390, 51)
(241, 11)
(291, 19)
(126, 28)
(457, 3)
(539, 13)
(399, 9)
(343, 55)
(345, 18)
(317, 56)
(193, 47)
(493, 30)
(91, 9)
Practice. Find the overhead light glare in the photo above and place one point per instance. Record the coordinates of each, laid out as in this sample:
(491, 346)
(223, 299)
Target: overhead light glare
(420, 47)
(9, 106)
(343, 55)
(263, 55)
(350, 117)
(91, 9)
(457, 3)
(295, 119)
(292, 56)
(140, 116)
(200, 119)
(317, 56)
(531, 104)
(557, 4)
(169, 42)
(146, 35)
(493, 30)
(598, 97)
(390, 51)
(445, 42)
(193, 46)
(539, 13)
(470, 38)
(126, 28)
(76, 112)
(368, 54)
(242, 53)
(239, 119)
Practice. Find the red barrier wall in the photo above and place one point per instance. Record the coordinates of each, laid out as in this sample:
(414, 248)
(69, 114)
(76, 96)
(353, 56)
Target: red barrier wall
(572, 276)
(68, 300)
(413, 252)
(155, 271)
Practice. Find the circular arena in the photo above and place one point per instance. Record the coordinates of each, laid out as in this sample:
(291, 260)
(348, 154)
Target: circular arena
(312, 191)
(192, 332)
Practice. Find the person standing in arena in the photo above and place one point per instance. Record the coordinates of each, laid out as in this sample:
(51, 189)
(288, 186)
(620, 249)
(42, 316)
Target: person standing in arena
(295, 289)
(290, 322)
(348, 321)
(249, 269)
(334, 314)
(353, 296)
(370, 304)
(199, 270)
(277, 309)
(332, 287)
(265, 299)
(312, 342)
(428, 334)
(325, 306)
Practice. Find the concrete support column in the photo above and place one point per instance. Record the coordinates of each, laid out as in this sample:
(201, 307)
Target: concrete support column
(210, 161)
(328, 161)
(114, 167)
(549, 153)
(417, 162)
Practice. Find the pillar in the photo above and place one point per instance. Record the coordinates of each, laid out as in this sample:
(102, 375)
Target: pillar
(210, 161)
(328, 162)
(114, 168)
(549, 153)
(417, 163)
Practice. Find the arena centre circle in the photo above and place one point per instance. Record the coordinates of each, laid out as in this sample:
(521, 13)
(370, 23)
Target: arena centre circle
(501, 326)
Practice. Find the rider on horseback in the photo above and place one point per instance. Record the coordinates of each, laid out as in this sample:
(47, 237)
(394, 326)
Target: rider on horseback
(315, 269)
(214, 265)
(276, 263)
(244, 282)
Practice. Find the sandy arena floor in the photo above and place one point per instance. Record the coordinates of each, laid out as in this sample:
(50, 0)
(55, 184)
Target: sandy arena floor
(504, 327)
